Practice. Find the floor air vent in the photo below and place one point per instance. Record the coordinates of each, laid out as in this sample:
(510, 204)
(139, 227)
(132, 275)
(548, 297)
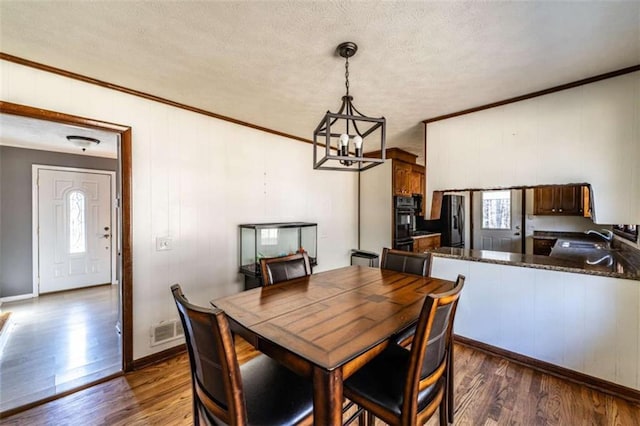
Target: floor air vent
(166, 331)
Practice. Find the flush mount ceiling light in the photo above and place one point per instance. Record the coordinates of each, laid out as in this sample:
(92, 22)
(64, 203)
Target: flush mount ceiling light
(348, 125)
(83, 142)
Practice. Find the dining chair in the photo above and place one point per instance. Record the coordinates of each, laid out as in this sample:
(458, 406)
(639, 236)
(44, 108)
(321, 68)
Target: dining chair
(277, 269)
(405, 387)
(260, 392)
(410, 263)
(406, 261)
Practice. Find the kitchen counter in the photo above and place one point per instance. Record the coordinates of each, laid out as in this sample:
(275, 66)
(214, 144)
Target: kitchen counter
(423, 234)
(625, 261)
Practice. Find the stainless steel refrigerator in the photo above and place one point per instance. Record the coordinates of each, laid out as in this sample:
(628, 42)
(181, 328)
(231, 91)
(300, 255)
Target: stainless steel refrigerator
(450, 224)
(452, 218)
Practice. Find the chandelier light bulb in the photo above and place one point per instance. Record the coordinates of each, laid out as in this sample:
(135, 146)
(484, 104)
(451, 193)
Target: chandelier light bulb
(344, 139)
(357, 140)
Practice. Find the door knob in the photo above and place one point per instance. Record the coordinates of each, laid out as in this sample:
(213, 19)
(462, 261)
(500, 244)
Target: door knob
(517, 233)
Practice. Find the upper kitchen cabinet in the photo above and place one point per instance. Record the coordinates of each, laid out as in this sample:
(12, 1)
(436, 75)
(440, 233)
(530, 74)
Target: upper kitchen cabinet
(417, 179)
(402, 178)
(560, 200)
(408, 177)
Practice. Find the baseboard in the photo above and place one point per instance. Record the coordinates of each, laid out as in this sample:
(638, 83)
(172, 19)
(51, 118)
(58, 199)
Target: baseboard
(158, 357)
(601, 385)
(18, 297)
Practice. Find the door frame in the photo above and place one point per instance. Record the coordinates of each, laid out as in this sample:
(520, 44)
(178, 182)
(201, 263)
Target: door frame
(125, 200)
(35, 228)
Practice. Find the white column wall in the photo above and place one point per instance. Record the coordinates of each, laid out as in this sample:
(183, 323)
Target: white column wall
(589, 134)
(376, 208)
(585, 323)
(195, 179)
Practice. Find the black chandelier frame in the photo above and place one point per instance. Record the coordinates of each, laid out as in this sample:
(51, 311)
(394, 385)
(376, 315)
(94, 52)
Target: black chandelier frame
(354, 124)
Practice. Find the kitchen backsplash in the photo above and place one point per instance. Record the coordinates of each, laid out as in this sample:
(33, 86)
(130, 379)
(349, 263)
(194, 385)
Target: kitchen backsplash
(560, 223)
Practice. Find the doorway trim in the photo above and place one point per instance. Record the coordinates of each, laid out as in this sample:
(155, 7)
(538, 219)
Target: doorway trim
(35, 228)
(124, 194)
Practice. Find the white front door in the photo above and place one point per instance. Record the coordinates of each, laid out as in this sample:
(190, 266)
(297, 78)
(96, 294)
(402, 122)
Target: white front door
(75, 229)
(497, 216)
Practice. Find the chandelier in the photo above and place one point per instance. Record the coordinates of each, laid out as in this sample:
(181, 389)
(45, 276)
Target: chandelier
(346, 128)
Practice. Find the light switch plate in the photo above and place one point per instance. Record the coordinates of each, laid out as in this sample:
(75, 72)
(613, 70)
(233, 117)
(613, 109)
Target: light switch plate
(163, 243)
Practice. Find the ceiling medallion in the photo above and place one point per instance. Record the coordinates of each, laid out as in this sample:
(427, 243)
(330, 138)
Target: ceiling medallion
(339, 130)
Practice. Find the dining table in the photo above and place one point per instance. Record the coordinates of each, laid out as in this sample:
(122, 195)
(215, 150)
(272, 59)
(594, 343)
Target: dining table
(327, 325)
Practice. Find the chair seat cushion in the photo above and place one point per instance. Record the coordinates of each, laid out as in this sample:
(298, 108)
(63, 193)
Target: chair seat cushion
(274, 394)
(382, 381)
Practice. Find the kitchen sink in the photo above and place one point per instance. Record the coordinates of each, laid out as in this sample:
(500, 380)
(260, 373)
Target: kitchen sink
(583, 245)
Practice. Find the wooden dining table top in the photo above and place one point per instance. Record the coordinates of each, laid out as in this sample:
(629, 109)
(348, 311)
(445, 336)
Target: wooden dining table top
(330, 318)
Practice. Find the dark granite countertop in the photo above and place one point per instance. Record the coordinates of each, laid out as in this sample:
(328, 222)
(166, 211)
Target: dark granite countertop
(421, 234)
(623, 263)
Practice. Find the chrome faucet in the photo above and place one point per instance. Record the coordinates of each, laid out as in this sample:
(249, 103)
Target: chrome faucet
(606, 257)
(608, 237)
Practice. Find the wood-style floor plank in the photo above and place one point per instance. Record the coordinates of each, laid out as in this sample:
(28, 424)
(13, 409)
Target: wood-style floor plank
(489, 391)
(58, 342)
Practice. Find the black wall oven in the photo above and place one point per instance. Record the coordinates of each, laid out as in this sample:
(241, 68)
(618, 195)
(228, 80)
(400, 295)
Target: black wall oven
(405, 223)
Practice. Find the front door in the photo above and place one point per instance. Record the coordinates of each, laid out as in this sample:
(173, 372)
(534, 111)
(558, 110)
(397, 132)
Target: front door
(497, 216)
(75, 228)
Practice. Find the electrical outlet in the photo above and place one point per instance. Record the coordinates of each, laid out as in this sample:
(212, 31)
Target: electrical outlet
(163, 243)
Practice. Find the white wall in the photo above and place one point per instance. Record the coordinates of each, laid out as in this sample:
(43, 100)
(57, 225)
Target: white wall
(376, 208)
(585, 323)
(195, 179)
(586, 134)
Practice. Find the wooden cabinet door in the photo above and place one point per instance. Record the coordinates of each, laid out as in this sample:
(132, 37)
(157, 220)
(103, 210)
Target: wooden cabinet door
(423, 188)
(543, 247)
(563, 200)
(544, 200)
(414, 183)
(432, 242)
(570, 200)
(401, 172)
(422, 244)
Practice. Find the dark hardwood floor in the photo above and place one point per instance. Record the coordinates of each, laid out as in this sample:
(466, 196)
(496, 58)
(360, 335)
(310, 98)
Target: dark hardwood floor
(489, 391)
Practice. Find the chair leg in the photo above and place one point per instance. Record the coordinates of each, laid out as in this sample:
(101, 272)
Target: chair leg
(449, 386)
(371, 420)
(362, 419)
(443, 414)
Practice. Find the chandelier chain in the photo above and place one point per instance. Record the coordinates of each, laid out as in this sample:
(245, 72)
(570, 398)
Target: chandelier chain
(346, 75)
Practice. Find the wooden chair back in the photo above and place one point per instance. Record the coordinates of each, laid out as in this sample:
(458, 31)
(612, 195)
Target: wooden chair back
(215, 373)
(430, 349)
(406, 261)
(277, 269)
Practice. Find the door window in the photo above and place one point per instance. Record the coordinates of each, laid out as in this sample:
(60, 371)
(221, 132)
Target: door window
(77, 240)
(496, 210)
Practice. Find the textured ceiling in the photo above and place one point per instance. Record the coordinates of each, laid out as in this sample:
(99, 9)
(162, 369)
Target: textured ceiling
(25, 132)
(273, 63)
